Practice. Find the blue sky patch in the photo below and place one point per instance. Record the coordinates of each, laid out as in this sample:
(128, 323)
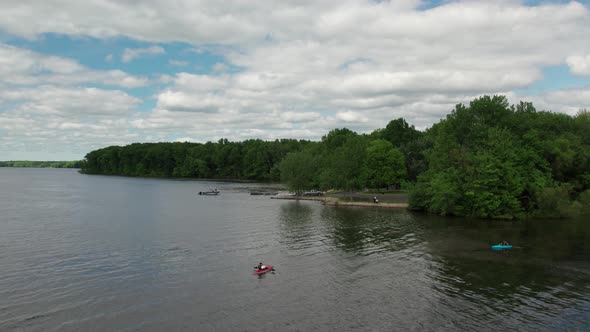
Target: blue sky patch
(106, 54)
(555, 78)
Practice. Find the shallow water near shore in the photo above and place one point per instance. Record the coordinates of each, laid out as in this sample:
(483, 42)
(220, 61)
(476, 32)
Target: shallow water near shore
(98, 253)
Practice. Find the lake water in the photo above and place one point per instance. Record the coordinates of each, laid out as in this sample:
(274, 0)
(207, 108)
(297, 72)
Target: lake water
(97, 253)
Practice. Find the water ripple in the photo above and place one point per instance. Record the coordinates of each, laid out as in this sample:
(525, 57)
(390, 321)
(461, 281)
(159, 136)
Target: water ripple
(102, 253)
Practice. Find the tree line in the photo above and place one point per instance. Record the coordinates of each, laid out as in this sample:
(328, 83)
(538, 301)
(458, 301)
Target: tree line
(487, 159)
(42, 164)
(248, 160)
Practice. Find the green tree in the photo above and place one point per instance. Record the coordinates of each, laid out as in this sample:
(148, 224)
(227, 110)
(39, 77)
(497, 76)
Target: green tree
(399, 133)
(385, 165)
(298, 170)
(487, 161)
(344, 166)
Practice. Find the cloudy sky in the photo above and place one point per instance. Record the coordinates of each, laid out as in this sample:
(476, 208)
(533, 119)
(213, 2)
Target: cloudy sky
(80, 75)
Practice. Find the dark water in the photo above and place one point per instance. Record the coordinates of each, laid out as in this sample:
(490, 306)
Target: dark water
(94, 253)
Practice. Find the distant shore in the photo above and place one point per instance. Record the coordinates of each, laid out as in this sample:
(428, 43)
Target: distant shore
(389, 201)
(41, 164)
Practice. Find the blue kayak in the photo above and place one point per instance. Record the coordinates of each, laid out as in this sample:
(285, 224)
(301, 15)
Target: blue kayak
(501, 247)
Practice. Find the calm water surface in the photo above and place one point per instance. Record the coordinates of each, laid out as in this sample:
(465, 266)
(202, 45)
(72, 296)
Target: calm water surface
(96, 253)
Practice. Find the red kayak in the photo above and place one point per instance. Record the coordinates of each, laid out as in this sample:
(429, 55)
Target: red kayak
(263, 271)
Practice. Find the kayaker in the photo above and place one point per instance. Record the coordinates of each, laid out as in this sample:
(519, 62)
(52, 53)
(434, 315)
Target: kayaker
(260, 266)
(504, 243)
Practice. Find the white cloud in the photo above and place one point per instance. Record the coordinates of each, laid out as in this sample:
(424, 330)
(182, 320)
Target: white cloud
(70, 102)
(579, 64)
(300, 116)
(182, 102)
(220, 67)
(351, 116)
(568, 101)
(186, 139)
(191, 82)
(67, 122)
(304, 69)
(23, 67)
(134, 53)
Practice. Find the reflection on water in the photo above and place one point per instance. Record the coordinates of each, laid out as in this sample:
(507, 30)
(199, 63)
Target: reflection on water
(295, 221)
(106, 253)
(391, 231)
(545, 277)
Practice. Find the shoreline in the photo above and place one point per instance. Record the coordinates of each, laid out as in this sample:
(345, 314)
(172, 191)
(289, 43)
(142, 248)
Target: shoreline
(333, 201)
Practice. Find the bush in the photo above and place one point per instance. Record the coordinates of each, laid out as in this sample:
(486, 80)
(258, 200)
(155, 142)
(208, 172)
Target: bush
(584, 200)
(554, 202)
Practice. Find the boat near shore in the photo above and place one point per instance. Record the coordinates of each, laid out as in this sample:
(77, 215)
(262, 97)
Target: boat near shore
(209, 192)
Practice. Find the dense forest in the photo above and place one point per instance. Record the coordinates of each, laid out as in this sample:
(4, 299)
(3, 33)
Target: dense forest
(493, 160)
(487, 159)
(42, 164)
(247, 160)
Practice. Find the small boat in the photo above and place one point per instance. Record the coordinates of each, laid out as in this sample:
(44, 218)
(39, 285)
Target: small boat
(501, 247)
(263, 271)
(209, 192)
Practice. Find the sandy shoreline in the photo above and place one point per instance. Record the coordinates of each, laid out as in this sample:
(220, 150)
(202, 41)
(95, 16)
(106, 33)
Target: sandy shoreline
(333, 201)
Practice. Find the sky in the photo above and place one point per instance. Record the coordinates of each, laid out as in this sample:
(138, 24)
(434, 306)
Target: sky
(81, 75)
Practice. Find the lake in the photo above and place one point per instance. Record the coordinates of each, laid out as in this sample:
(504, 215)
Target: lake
(98, 253)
